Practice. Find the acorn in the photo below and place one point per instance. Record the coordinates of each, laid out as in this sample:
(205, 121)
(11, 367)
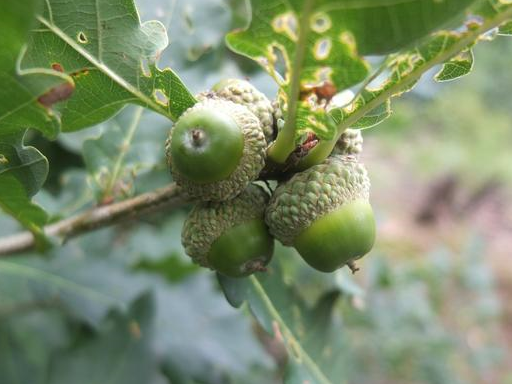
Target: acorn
(324, 212)
(349, 143)
(215, 149)
(230, 237)
(244, 93)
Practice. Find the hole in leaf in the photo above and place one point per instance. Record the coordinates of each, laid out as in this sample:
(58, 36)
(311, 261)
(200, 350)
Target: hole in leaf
(160, 97)
(322, 48)
(144, 65)
(320, 22)
(379, 81)
(342, 98)
(279, 59)
(82, 38)
(286, 24)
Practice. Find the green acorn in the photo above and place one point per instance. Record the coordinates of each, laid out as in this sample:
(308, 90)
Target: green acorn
(349, 143)
(244, 93)
(325, 214)
(215, 149)
(230, 237)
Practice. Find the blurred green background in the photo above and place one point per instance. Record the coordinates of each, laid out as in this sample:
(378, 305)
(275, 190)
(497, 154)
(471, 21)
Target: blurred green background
(432, 303)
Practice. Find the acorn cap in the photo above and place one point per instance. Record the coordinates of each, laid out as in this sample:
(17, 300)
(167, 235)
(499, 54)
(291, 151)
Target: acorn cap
(244, 93)
(311, 194)
(349, 143)
(251, 156)
(208, 221)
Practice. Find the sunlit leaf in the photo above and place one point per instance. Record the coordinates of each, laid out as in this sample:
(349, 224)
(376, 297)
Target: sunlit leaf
(111, 57)
(506, 29)
(309, 45)
(456, 67)
(22, 92)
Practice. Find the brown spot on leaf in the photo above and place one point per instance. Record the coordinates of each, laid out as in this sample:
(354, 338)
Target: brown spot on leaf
(57, 94)
(82, 72)
(57, 67)
(324, 91)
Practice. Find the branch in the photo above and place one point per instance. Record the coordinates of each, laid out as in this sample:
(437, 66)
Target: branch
(98, 217)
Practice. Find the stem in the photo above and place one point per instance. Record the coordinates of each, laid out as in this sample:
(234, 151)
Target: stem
(122, 152)
(323, 147)
(292, 344)
(98, 217)
(284, 144)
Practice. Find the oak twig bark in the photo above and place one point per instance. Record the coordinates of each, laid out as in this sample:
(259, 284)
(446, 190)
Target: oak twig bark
(98, 217)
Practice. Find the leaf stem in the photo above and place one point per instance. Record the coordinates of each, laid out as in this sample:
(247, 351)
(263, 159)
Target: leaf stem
(98, 217)
(284, 144)
(325, 147)
(125, 145)
(292, 344)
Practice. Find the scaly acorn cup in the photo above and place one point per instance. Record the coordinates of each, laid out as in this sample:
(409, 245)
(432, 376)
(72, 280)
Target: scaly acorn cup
(244, 93)
(349, 143)
(325, 214)
(230, 237)
(215, 149)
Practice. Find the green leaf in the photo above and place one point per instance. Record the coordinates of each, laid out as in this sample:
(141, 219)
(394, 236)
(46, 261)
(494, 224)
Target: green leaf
(23, 92)
(15, 202)
(311, 335)
(88, 289)
(196, 30)
(384, 26)
(370, 119)
(28, 336)
(196, 329)
(27, 164)
(458, 66)
(506, 29)
(320, 43)
(111, 57)
(23, 171)
(120, 352)
(401, 71)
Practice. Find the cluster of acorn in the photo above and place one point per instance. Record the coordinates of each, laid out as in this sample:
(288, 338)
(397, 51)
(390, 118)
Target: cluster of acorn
(217, 149)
